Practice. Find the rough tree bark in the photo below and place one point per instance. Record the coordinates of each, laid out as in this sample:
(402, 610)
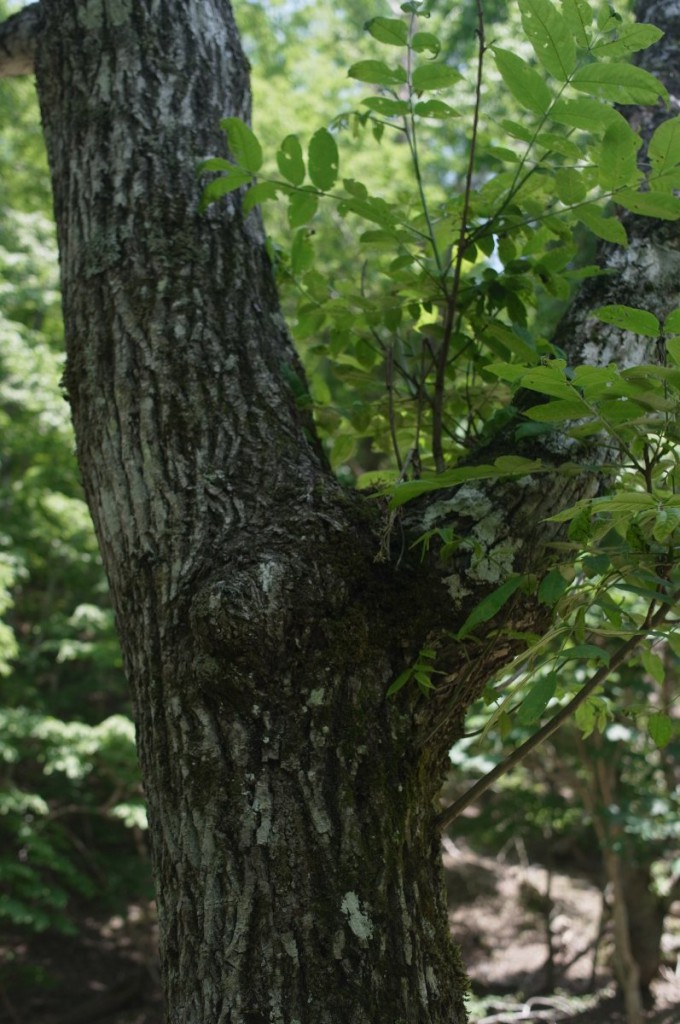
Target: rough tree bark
(291, 807)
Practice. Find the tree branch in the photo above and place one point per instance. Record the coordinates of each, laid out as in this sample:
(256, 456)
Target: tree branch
(620, 657)
(18, 39)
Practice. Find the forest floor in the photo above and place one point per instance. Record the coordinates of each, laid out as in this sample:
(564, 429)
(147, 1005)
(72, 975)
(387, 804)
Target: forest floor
(520, 969)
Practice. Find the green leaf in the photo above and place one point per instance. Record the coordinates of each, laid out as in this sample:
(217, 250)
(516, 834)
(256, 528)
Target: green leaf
(355, 188)
(671, 324)
(550, 37)
(372, 208)
(301, 253)
(259, 194)
(523, 81)
(620, 83)
(638, 321)
(376, 73)
(664, 145)
(578, 16)
(570, 186)
(667, 522)
(537, 700)
(630, 39)
(588, 115)
(654, 665)
(301, 207)
(342, 450)
(558, 412)
(435, 108)
(214, 163)
(423, 41)
(386, 106)
(415, 488)
(516, 465)
(608, 228)
(558, 144)
(548, 380)
(400, 682)
(290, 161)
(323, 160)
(489, 606)
(673, 349)
(617, 157)
(388, 30)
(214, 190)
(552, 586)
(607, 18)
(244, 146)
(650, 204)
(434, 76)
(660, 728)
(590, 651)
(585, 716)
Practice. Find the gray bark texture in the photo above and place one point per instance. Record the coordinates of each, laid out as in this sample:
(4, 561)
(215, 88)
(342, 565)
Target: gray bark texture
(262, 609)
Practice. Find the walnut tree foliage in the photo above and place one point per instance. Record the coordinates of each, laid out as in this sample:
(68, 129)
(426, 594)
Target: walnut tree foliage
(436, 342)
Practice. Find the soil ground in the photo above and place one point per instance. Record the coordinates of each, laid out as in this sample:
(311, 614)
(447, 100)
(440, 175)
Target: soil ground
(521, 969)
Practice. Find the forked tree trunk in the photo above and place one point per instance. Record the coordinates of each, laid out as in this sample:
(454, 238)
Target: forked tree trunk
(291, 806)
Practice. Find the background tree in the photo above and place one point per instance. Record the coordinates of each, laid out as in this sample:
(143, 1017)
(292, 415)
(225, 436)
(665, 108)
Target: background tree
(291, 812)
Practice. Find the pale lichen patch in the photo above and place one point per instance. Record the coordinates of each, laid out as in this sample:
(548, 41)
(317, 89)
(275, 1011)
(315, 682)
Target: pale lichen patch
(290, 946)
(359, 921)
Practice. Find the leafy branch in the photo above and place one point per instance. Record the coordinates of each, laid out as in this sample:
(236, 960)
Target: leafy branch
(653, 621)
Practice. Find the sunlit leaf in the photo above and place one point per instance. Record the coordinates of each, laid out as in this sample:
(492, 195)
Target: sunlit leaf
(435, 76)
(376, 72)
(423, 41)
(570, 186)
(559, 411)
(664, 145)
(639, 321)
(386, 106)
(388, 30)
(659, 205)
(629, 39)
(617, 157)
(588, 115)
(550, 37)
(243, 144)
(578, 15)
(523, 81)
(435, 108)
(608, 228)
(620, 83)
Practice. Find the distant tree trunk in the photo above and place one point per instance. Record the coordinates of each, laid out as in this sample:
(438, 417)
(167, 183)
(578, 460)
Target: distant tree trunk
(291, 805)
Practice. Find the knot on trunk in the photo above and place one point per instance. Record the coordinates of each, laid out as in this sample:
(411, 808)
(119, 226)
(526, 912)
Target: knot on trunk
(260, 612)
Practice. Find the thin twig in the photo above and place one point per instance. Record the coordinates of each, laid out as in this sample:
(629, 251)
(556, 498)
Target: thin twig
(620, 657)
(452, 302)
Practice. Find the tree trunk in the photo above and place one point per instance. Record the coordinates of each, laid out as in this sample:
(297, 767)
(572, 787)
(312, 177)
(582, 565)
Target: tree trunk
(291, 806)
(291, 823)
